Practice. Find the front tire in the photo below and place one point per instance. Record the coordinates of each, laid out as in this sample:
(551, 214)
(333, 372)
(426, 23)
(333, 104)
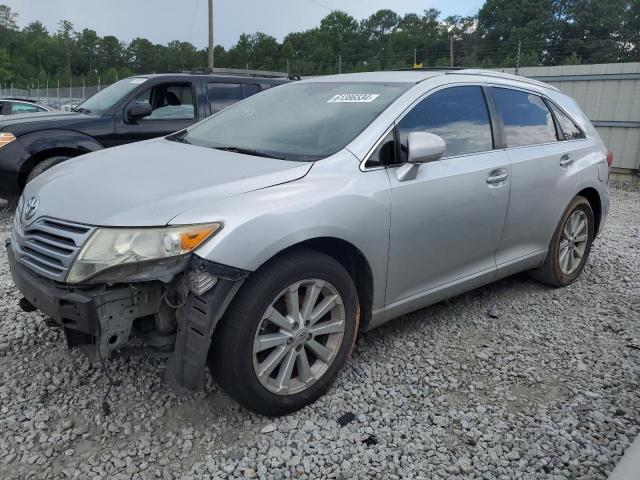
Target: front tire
(44, 165)
(287, 334)
(570, 245)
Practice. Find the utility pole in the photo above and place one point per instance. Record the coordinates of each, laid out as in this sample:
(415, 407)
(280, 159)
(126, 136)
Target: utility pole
(339, 63)
(211, 46)
(415, 57)
(518, 56)
(451, 50)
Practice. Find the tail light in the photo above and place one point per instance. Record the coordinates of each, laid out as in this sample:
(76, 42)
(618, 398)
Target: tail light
(609, 158)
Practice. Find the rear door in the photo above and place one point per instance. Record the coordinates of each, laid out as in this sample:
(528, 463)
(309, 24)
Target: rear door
(542, 168)
(447, 222)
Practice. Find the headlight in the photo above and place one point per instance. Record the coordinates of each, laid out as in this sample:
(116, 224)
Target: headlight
(109, 247)
(6, 138)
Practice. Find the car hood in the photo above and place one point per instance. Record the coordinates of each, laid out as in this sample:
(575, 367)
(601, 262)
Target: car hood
(149, 183)
(7, 121)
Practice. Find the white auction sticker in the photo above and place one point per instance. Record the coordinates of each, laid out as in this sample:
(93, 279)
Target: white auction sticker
(137, 80)
(353, 98)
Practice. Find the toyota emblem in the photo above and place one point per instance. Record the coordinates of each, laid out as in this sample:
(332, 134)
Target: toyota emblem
(30, 208)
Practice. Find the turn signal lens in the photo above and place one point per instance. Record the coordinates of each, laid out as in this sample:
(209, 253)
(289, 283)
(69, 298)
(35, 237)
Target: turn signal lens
(191, 239)
(6, 138)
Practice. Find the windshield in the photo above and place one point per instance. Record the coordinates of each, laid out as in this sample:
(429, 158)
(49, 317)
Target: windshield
(107, 98)
(298, 121)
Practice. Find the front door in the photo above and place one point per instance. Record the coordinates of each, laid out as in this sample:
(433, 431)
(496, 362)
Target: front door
(174, 108)
(446, 223)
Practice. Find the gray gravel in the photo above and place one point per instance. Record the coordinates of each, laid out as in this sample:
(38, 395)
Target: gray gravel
(514, 380)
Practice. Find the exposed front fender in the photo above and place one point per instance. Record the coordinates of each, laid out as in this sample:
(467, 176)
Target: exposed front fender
(334, 200)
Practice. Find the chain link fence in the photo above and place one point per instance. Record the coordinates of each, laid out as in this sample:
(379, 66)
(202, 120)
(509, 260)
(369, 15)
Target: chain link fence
(58, 98)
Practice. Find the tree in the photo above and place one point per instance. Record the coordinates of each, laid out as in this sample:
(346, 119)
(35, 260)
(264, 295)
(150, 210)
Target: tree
(5, 70)
(8, 18)
(549, 32)
(65, 29)
(87, 42)
(110, 53)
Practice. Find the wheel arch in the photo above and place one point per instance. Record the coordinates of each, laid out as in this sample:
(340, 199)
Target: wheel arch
(52, 143)
(352, 259)
(593, 197)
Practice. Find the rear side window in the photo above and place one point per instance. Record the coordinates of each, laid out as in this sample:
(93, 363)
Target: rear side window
(250, 89)
(458, 114)
(569, 128)
(24, 108)
(223, 95)
(527, 120)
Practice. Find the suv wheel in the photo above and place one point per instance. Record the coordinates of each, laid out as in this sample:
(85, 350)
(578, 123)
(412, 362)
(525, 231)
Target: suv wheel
(287, 334)
(570, 245)
(45, 164)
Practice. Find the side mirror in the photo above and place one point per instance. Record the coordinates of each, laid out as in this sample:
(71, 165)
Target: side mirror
(138, 111)
(425, 147)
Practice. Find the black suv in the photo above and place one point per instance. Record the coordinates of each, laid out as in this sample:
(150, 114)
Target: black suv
(133, 109)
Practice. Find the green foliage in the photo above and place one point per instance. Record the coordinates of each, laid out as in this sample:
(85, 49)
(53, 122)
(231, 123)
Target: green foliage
(545, 32)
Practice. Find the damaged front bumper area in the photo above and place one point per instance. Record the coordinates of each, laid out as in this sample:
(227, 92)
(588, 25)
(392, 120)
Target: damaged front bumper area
(176, 313)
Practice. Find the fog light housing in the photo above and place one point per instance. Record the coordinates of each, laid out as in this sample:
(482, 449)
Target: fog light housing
(201, 282)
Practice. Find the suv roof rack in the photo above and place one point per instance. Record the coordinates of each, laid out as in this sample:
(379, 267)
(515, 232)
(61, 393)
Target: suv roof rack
(244, 73)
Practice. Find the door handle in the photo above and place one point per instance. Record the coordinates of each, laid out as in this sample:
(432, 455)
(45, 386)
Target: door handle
(566, 160)
(497, 176)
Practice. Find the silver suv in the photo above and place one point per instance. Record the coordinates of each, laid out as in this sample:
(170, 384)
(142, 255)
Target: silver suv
(263, 239)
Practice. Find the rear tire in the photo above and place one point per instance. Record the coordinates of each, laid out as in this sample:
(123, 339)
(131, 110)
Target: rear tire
(569, 247)
(261, 329)
(44, 165)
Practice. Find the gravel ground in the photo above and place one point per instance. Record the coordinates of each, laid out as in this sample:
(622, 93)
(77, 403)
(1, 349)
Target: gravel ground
(514, 380)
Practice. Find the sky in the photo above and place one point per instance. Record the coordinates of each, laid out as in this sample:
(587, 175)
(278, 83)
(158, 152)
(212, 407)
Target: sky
(162, 21)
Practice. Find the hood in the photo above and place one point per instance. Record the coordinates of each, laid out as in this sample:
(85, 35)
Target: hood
(38, 119)
(149, 183)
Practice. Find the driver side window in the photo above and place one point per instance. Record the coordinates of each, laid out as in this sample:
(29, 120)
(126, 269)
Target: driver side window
(169, 101)
(457, 114)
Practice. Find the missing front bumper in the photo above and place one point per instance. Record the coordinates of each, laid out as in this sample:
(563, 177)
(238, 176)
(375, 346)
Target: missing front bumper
(99, 319)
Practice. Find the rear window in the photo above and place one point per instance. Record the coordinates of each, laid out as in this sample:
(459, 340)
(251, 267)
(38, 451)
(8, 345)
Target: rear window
(527, 120)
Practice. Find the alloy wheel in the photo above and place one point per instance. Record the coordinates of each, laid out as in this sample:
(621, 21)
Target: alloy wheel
(299, 336)
(573, 243)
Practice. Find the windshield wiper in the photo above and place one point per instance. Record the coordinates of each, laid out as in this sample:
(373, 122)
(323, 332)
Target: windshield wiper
(81, 110)
(249, 151)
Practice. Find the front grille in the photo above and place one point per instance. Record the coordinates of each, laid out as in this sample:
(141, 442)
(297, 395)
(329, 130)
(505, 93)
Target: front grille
(49, 246)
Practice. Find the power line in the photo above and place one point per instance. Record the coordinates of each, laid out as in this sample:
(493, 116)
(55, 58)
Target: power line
(321, 5)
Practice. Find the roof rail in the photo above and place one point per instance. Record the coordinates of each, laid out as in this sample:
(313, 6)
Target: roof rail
(243, 73)
(428, 69)
(507, 76)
